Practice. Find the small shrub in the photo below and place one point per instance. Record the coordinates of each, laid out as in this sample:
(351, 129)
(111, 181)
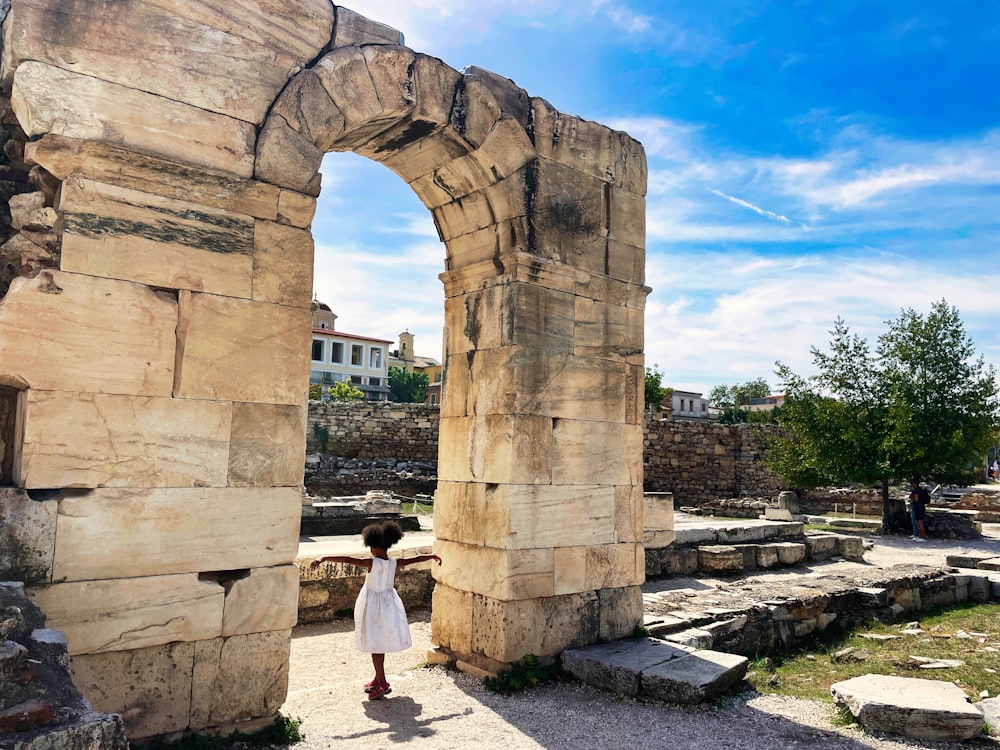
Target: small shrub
(522, 675)
(283, 732)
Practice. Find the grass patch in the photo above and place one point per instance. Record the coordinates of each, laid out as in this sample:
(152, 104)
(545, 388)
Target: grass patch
(522, 675)
(809, 672)
(416, 508)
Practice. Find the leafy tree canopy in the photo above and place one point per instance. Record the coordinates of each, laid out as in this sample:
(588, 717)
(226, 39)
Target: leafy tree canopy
(920, 405)
(344, 391)
(655, 392)
(408, 387)
(734, 400)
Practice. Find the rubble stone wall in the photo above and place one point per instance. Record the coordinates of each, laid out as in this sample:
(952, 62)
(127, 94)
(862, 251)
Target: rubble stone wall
(370, 430)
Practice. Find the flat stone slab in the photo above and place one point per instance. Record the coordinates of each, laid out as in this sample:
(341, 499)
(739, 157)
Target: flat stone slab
(967, 559)
(662, 670)
(991, 564)
(920, 709)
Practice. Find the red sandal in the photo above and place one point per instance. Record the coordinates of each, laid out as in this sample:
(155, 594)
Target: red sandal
(379, 691)
(370, 685)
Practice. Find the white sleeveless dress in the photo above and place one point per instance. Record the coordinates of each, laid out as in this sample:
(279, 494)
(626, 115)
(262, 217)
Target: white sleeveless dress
(380, 625)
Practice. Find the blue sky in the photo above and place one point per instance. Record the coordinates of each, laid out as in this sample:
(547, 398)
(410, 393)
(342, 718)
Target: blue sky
(807, 160)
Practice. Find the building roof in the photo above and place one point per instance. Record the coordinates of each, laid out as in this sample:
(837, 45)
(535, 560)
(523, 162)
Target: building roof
(331, 332)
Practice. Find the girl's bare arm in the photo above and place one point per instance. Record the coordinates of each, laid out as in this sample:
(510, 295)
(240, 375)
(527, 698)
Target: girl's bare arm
(364, 562)
(402, 562)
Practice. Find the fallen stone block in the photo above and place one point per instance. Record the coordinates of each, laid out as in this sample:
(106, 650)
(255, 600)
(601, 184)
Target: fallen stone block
(692, 638)
(991, 714)
(967, 559)
(617, 666)
(821, 546)
(920, 709)
(695, 677)
(992, 564)
(720, 558)
(851, 548)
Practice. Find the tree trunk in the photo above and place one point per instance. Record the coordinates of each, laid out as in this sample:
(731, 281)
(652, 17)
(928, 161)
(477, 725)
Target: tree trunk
(895, 518)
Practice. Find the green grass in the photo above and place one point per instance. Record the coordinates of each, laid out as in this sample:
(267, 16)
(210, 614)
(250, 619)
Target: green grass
(414, 508)
(808, 673)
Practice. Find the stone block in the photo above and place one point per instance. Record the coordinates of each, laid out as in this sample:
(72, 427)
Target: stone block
(749, 552)
(585, 452)
(230, 57)
(851, 548)
(286, 158)
(113, 165)
(497, 573)
(306, 107)
(121, 233)
(263, 600)
(789, 553)
(627, 217)
(991, 564)
(777, 514)
(619, 666)
(695, 677)
(607, 331)
(821, 546)
(345, 76)
(692, 638)
(217, 360)
(53, 324)
(47, 99)
(451, 618)
(267, 447)
(31, 526)
(570, 571)
(922, 709)
(620, 611)
(766, 555)
(98, 440)
(631, 516)
(149, 687)
(720, 559)
(354, 29)
(295, 209)
(131, 613)
(615, 565)
(282, 264)
(239, 678)
(117, 533)
(496, 448)
(589, 147)
(481, 110)
(679, 561)
(507, 631)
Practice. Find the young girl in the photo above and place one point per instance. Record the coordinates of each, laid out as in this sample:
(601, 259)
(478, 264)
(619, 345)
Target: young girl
(379, 618)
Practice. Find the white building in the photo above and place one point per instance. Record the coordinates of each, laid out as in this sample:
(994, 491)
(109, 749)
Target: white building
(690, 406)
(337, 356)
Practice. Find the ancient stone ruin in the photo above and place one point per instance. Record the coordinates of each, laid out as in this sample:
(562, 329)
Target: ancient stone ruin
(154, 340)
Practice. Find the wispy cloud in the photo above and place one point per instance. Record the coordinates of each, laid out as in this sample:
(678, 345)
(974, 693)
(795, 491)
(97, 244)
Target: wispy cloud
(751, 206)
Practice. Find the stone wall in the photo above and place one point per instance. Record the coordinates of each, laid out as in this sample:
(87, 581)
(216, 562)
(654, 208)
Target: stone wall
(369, 430)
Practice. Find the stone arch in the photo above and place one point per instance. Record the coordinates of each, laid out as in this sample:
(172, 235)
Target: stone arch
(183, 209)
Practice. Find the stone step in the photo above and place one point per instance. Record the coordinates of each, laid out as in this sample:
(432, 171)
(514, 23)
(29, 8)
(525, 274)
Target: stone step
(657, 669)
(920, 709)
(991, 564)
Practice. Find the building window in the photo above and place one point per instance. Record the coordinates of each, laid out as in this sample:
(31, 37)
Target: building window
(322, 324)
(375, 358)
(434, 399)
(356, 379)
(317, 351)
(357, 355)
(336, 352)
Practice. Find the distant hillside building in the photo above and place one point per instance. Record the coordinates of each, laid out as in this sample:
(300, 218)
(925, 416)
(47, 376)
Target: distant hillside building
(337, 356)
(405, 358)
(767, 403)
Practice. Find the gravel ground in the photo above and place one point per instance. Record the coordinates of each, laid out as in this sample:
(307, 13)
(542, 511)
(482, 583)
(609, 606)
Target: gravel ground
(436, 708)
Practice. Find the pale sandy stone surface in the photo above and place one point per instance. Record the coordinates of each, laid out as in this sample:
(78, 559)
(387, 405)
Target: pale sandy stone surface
(132, 613)
(266, 599)
(47, 99)
(268, 445)
(282, 264)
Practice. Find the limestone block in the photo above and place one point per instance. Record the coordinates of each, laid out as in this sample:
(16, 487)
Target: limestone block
(603, 330)
(265, 599)
(282, 264)
(461, 512)
(345, 76)
(237, 350)
(96, 440)
(587, 452)
(296, 209)
(124, 234)
(589, 147)
(505, 150)
(415, 148)
(150, 687)
(451, 618)
(626, 262)
(507, 631)
(921, 709)
(695, 677)
(47, 99)
(627, 218)
(499, 574)
(789, 553)
(480, 108)
(541, 318)
(51, 325)
(851, 548)
(224, 56)
(31, 526)
(821, 546)
(526, 380)
(133, 533)
(766, 555)
(619, 666)
(113, 165)
(615, 565)
(632, 516)
(720, 558)
(658, 511)
(473, 321)
(312, 596)
(307, 108)
(620, 611)
(354, 29)
(239, 678)
(131, 613)
(681, 561)
(496, 448)
(570, 570)
(287, 158)
(268, 446)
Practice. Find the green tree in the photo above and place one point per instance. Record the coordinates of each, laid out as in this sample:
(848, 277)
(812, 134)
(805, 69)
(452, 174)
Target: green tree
(408, 387)
(344, 391)
(734, 400)
(655, 392)
(919, 405)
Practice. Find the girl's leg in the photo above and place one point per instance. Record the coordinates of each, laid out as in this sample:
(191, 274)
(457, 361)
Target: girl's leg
(378, 660)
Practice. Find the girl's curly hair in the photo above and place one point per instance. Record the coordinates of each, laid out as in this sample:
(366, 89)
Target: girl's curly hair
(382, 535)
